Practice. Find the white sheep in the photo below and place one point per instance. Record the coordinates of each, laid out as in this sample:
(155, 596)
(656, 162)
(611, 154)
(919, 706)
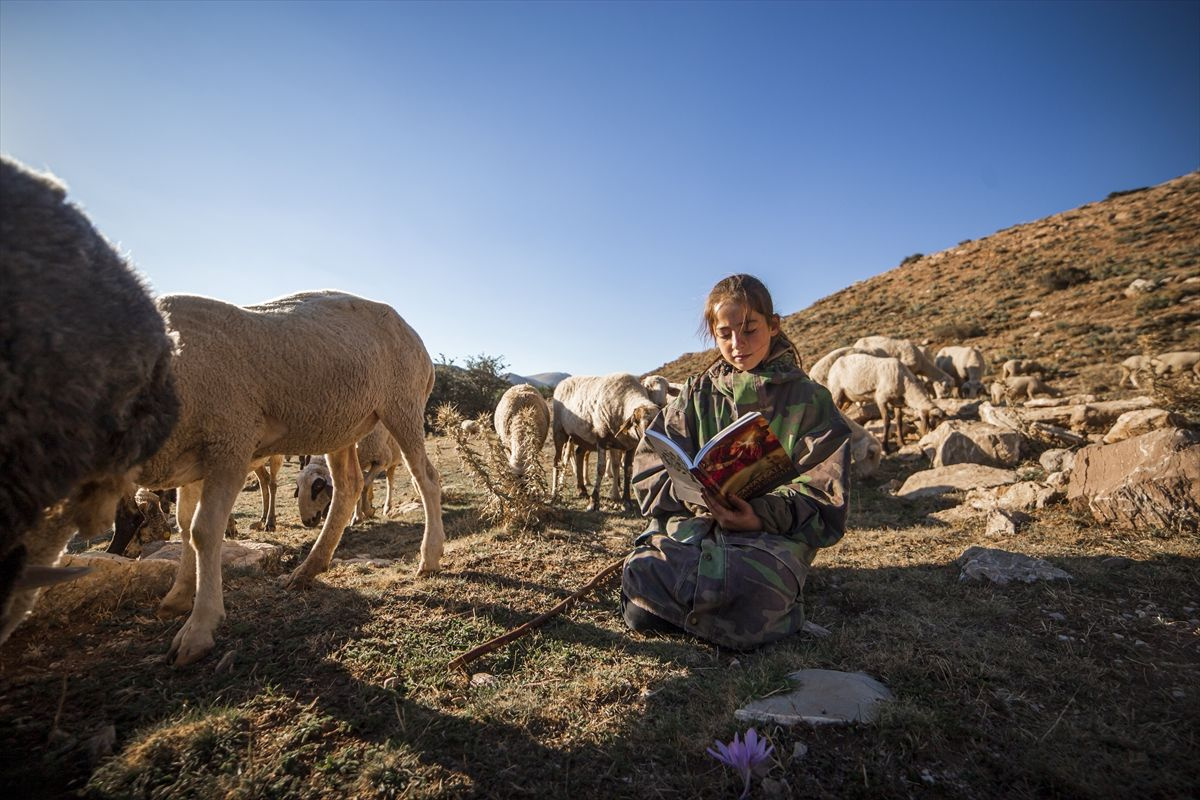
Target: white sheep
(658, 389)
(1177, 362)
(1028, 385)
(314, 491)
(245, 395)
(1131, 368)
(819, 371)
(858, 377)
(86, 391)
(1020, 366)
(911, 356)
(522, 420)
(600, 412)
(866, 451)
(965, 365)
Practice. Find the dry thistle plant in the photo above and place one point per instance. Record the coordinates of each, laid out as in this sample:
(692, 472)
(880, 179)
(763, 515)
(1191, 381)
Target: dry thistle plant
(515, 502)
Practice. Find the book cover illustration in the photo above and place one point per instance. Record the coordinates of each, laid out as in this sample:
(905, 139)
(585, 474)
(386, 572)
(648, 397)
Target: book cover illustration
(745, 459)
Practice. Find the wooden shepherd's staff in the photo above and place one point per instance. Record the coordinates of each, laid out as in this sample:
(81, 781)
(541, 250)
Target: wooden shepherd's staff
(602, 577)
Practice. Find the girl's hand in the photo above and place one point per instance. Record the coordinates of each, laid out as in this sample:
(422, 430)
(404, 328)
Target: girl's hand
(732, 512)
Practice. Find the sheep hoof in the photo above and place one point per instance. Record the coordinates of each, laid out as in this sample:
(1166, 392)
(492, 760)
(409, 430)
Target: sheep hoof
(299, 579)
(256, 526)
(427, 569)
(170, 607)
(189, 646)
(592, 507)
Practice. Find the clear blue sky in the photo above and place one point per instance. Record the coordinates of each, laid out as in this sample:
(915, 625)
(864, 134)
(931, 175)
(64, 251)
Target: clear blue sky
(560, 184)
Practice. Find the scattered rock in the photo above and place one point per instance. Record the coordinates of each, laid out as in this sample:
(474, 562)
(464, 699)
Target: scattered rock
(813, 629)
(821, 696)
(1024, 496)
(1005, 523)
(958, 407)
(1035, 314)
(1002, 567)
(966, 442)
(1099, 417)
(958, 477)
(1140, 286)
(1057, 459)
(1149, 481)
(100, 745)
(1116, 562)
(1057, 616)
(483, 679)
(1142, 420)
(799, 751)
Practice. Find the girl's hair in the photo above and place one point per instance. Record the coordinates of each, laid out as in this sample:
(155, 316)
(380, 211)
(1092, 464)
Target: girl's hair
(745, 290)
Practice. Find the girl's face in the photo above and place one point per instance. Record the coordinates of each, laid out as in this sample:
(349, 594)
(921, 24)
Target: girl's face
(743, 336)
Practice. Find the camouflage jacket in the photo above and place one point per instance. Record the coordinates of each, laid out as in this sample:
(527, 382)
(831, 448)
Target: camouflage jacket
(811, 511)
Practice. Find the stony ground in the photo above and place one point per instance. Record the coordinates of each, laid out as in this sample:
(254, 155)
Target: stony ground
(1081, 688)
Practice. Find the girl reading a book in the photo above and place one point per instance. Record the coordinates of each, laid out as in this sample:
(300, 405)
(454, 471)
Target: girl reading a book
(733, 572)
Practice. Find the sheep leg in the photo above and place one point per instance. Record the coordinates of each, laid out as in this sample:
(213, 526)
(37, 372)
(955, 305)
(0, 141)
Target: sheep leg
(899, 412)
(409, 433)
(195, 638)
(347, 488)
(366, 501)
(579, 457)
(387, 498)
(601, 465)
(274, 466)
(558, 468)
(614, 474)
(178, 601)
(628, 469)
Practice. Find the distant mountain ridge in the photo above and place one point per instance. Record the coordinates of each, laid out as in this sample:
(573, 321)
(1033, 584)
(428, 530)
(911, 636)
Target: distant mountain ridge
(547, 380)
(1055, 290)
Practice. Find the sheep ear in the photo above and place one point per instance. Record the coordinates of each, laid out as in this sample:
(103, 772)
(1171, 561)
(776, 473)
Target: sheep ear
(33, 577)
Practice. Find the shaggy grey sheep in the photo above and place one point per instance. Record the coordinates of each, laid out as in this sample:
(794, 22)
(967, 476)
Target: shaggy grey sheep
(86, 391)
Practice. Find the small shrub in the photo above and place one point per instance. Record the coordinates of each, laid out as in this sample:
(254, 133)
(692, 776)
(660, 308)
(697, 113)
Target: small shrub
(1063, 277)
(1123, 192)
(1153, 302)
(473, 389)
(957, 330)
(910, 259)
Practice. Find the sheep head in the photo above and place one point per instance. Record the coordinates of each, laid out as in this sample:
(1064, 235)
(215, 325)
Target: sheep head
(314, 493)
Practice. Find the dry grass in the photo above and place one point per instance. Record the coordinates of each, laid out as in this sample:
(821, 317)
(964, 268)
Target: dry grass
(1084, 689)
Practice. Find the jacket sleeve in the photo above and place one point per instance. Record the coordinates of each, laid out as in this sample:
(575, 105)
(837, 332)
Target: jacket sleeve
(651, 482)
(812, 508)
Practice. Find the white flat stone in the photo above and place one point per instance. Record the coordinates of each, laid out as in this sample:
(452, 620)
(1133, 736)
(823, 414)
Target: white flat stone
(821, 697)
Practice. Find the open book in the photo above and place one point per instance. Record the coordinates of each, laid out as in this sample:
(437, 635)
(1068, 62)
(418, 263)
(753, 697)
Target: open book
(745, 458)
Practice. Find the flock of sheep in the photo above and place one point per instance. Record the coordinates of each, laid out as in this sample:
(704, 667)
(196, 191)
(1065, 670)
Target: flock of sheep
(104, 389)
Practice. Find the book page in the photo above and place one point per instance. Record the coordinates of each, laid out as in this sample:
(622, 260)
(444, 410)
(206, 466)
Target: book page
(687, 487)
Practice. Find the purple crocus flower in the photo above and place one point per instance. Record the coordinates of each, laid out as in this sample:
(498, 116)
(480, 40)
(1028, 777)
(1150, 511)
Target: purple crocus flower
(743, 755)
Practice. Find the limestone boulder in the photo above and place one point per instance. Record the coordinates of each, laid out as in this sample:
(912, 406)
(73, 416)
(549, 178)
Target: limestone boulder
(1069, 400)
(958, 407)
(965, 442)
(1099, 417)
(1146, 482)
(1143, 420)
(954, 478)
(255, 556)
(112, 582)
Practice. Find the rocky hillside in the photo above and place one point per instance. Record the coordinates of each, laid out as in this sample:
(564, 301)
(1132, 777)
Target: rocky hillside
(1056, 290)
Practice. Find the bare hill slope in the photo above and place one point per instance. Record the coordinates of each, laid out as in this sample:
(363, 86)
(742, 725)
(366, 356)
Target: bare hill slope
(1069, 271)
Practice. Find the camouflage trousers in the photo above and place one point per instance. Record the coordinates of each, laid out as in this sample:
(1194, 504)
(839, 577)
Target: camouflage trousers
(738, 591)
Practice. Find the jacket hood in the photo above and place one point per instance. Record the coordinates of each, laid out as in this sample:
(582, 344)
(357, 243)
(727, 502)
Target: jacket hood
(780, 366)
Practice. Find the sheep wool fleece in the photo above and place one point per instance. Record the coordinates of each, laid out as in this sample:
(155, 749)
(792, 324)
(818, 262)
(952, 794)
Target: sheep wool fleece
(741, 589)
